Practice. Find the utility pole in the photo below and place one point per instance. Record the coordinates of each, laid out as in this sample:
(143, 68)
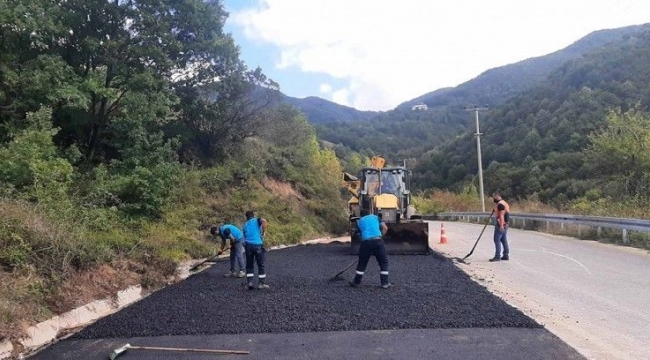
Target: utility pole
(476, 109)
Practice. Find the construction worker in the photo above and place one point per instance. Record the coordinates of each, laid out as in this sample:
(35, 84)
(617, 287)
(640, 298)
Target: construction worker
(501, 217)
(236, 237)
(254, 232)
(388, 184)
(372, 230)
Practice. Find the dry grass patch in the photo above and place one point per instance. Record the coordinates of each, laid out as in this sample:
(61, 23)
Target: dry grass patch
(21, 303)
(102, 282)
(27, 299)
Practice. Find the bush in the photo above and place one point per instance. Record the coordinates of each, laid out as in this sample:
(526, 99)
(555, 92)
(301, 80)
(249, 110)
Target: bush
(31, 164)
(30, 238)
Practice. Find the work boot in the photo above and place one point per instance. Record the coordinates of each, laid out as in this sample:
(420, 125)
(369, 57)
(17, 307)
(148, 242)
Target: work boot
(241, 274)
(262, 286)
(230, 274)
(357, 279)
(353, 284)
(496, 258)
(505, 257)
(383, 279)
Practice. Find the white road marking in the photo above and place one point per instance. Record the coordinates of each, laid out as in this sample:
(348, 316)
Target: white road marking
(544, 251)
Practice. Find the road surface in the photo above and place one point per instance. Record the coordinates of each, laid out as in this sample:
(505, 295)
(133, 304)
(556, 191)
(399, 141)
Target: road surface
(595, 297)
(434, 311)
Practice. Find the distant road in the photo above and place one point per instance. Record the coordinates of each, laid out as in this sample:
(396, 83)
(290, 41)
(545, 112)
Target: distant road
(595, 297)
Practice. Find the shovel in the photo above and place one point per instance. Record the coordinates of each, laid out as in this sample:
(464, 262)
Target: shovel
(210, 259)
(119, 351)
(338, 277)
(476, 243)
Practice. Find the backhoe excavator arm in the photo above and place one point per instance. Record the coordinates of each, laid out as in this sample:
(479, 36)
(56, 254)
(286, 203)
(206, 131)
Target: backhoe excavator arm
(352, 183)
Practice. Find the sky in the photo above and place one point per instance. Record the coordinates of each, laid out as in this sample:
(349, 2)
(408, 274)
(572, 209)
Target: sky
(376, 54)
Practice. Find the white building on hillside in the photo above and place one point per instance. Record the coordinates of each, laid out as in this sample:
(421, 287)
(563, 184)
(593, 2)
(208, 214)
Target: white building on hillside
(420, 107)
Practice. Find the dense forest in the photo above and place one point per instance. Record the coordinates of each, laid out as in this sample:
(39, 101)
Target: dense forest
(578, 139)
(128, 128)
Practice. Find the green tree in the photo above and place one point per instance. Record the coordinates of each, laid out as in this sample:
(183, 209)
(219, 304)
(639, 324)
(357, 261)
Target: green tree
(620, 153)
(31, 164)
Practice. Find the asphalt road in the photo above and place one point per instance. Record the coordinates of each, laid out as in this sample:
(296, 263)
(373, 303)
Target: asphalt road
(448, 344)
(594, 296)
(433, 311)
(429, 292)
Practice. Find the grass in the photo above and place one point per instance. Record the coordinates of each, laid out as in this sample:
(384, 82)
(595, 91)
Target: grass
(54, 259)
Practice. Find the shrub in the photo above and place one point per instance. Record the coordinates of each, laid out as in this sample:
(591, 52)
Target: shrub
(31, 164)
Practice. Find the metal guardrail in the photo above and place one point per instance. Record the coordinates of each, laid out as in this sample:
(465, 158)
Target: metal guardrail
(623, 224)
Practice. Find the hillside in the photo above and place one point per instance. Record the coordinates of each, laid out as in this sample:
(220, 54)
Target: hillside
(320, 110)
(112, 170)
(403, 133)
(496, 85)
(551, 141)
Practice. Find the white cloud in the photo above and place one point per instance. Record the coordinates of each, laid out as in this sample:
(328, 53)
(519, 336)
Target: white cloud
(342, 97)
(325, 88)
(389, 51)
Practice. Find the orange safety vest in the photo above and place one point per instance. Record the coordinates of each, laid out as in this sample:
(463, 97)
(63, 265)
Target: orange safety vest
(497, 212)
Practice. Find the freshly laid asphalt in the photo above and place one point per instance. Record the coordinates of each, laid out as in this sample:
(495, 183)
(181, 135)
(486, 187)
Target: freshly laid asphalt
(433, 309)
(447, 344)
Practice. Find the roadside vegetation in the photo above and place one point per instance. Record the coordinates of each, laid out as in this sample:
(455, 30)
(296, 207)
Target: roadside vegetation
(124, 135)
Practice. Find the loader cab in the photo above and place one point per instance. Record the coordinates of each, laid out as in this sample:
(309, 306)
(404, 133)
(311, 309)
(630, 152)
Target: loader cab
(371, 182)
(393, 181)
(383, 181)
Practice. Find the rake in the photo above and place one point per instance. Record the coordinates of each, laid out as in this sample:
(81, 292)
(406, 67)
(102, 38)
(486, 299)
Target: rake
(119, 351)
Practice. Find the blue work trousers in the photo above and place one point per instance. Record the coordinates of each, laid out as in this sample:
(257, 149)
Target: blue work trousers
(368, 248)
(255, 254)
(237, 256)
(501, 238)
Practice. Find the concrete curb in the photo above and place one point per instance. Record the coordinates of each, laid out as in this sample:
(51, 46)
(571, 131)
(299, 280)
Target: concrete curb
(63, 325)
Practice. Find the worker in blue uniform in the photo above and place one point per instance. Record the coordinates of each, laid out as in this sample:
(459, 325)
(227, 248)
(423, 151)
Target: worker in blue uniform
(235, 237)
(372, 230)
(254, 232)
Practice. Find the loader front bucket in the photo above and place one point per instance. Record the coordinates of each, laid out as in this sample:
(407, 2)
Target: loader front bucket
(405, 238)
(408, 238)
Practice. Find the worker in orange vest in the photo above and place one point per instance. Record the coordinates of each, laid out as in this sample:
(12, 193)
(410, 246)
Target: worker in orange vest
(501, 217)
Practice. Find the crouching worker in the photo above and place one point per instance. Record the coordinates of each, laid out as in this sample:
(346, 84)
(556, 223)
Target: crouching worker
(372, 230)
(231, 233)
(254, 231)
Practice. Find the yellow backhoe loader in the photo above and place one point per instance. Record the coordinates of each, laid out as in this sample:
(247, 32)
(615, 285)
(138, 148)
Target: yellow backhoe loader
(385, 191)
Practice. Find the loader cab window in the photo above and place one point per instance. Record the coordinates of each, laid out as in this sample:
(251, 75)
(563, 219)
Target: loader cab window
(391, 181)
(371, 182)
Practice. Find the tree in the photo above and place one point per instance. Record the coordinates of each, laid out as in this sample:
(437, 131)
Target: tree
(218, 116)
(619, 153)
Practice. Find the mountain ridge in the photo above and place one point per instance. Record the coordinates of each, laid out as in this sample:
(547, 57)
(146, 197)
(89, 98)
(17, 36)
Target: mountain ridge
(402, 133)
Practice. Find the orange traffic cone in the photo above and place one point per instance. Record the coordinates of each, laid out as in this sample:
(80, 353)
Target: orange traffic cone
(443, 236)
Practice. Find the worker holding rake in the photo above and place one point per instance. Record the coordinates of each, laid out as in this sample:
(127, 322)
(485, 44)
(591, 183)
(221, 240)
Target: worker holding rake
(501, 217)
(372, 230)
(231, 233)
